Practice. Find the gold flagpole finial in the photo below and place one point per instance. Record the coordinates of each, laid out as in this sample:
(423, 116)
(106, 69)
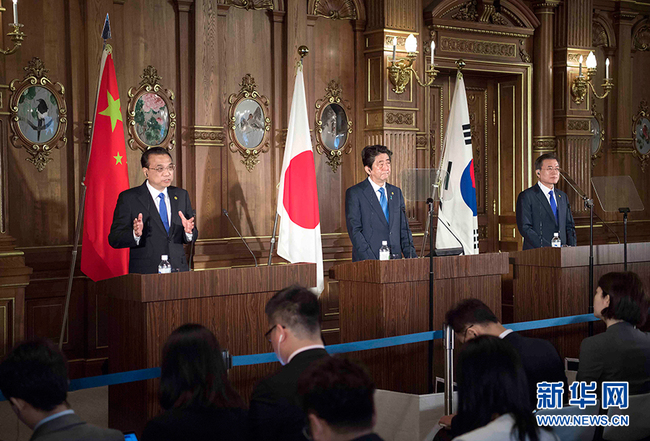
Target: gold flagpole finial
(460, 64)
(302, 51)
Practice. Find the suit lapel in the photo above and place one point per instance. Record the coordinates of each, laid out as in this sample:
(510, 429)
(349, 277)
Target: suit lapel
(544, 201)
(370, 195)
(176, 219)
(147, 201)
(393, 205)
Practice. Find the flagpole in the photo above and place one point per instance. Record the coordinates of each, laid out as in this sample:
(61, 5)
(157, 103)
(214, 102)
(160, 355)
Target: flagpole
(302, 51)
(106, 34)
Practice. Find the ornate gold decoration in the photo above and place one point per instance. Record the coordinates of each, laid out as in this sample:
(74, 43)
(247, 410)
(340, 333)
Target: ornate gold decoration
(399, 118)
(544, 143)
(400, 72)
(523, 53)
(467, 12)
(333, 99)
(251, 4)
(466, 46)
(150, 84)
(479, 31)
(253, 123)
(580, 85)
(482, 232)
(336, 9)
(644, 136)
(36, 77)
(208, 136)
(641, 39)
(17, 36)
(597, 133)
(579, 125)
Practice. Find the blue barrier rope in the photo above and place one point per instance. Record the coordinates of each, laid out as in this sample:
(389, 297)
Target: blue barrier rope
(270, 357)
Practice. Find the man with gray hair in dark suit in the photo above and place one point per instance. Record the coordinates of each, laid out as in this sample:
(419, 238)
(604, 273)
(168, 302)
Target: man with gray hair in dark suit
(34, 379)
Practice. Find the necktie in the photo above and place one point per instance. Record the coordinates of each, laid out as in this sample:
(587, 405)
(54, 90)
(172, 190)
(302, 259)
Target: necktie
(383, 202)
(163, 212)
(554, 207)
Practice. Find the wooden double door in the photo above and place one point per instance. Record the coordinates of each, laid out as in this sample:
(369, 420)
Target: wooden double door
(499, 125)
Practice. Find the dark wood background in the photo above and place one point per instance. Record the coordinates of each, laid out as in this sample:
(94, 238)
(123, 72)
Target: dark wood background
(203, 48)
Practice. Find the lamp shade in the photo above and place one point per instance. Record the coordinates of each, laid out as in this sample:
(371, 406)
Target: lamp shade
(411, 43)
(591, 61)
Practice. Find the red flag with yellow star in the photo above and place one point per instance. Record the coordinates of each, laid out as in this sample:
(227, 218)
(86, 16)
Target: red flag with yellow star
(106, 177)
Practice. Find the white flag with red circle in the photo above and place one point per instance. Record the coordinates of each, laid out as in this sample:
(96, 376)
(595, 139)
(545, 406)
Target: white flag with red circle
(299, 237)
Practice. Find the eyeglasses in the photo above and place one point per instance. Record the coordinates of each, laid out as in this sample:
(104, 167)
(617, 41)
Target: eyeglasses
(551, 169)
(267, 334)
(465, 333)
(170, 168)
(306, 432)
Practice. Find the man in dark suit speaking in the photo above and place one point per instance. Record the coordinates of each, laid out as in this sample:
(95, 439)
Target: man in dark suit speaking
(154, 219)
(543, 210)
(375, 212)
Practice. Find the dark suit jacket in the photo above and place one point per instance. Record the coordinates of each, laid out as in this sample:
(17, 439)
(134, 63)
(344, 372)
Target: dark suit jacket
(536, 222)
(198, 425)
(275, 413)
(540, 360)
(367, 225)
(71, 428)
(154, 242)
(621, 353)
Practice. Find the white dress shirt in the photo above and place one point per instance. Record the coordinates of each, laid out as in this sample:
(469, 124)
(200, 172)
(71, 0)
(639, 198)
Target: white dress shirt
(376, 188)
(547, 192)
(168, 203)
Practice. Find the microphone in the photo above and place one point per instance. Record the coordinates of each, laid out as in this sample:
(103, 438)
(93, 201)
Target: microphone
(191, 260)
(225, 212)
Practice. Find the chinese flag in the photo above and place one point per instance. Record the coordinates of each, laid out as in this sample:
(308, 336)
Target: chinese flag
(107, 176)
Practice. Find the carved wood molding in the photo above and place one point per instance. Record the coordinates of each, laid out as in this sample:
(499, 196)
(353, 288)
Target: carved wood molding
(641, 135)
(544, 143)
(335, 9)
(581, 125)
(597, 132)
(251, 4)
(641, 36)
(207, 136)
(465, 46)
(399, 118)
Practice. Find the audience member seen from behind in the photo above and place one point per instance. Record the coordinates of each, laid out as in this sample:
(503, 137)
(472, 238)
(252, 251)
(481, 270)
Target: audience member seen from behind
(622, 352)
(34, 379)
(294, 333)
(493, 401)
(199, 401)
(338, 397)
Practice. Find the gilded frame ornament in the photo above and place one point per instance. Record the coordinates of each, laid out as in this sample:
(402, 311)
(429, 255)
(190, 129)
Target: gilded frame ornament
(641, 134)
(38, 114)
(249, 124)
(151, 116)
(337, 126)
(597, 134)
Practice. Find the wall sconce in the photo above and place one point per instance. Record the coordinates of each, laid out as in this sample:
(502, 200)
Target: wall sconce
(399, 71)
(16, 35)
(579, 85)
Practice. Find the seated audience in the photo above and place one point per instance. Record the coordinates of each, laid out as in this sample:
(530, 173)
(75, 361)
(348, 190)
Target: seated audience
(338, 397)
(34, 379)
(472, 318)
(493, 401)
(622, 352)
(294, 332)
(199, 401)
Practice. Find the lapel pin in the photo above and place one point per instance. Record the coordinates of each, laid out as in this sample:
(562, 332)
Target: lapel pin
(175, 198)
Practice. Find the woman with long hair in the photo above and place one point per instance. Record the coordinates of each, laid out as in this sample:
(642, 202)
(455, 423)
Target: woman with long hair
(199, 401)
(493, 402)
(622, 352)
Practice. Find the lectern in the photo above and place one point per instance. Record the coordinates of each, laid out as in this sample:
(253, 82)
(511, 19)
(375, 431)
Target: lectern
(389, 298)
(145, 309)
(554, 282)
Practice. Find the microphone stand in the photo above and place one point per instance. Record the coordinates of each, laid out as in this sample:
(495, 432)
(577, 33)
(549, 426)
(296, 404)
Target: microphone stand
(240, 236)
(589, 203)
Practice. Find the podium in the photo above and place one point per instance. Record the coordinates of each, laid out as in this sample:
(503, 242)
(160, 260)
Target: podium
(146, 308)
(380, 299)
(554, 282)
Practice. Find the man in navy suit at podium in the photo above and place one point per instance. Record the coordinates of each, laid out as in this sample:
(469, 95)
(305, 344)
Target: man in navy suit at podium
(375, 211)
(543, 210)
